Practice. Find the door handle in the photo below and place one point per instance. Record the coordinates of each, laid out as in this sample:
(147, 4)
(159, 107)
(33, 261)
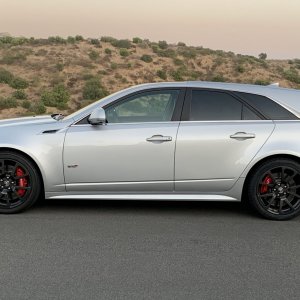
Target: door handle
(242, 135)
(159, 138)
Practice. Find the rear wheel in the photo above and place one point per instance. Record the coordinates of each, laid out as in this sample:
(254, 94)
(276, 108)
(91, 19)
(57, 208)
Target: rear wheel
(20, 183)
(274, 189)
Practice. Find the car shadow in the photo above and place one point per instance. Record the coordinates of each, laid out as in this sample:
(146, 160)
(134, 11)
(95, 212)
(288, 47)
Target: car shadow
(140, 207)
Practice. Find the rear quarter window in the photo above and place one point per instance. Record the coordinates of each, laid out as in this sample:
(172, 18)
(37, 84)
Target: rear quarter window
(267, 107)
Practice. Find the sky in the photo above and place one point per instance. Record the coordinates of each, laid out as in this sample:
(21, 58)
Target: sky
(242, 26)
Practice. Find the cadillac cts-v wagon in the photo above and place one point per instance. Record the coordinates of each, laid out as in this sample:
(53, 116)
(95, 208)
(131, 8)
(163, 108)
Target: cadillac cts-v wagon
(162, 141)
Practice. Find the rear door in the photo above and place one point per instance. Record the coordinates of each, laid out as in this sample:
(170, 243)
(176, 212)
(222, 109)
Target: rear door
(217, 138)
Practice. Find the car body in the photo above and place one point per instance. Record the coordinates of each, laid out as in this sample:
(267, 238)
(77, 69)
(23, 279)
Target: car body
(188, 152)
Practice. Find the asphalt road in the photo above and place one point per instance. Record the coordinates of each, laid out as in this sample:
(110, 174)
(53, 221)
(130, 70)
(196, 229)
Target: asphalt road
(147, 250)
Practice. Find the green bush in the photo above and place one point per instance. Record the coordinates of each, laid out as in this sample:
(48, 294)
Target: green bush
(219, 78)
(93, 89)
(20, 94)
(11, 58)
(262, 82)
(181, 44)
(59, 67)
(292, 75)
(56, 40)
(26, 104)
(38, 108)
(5, 76)
(124, 52)
(93, 55)
(240, 68)
(146, 58)
(137, 40)
(57, 97)
(79, 38)
(166, 53)
(125, 44)
(262, 56)
(8, 103)
(107, 39)
(107, 51)
(71, 40)
(162, 44)
(19, 83)
(95, 42)
(162, 74)
(177, 75)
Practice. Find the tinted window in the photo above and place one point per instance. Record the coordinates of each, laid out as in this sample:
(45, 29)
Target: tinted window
(153, 106)
(248, 114)
(267, 107)
(209, 106)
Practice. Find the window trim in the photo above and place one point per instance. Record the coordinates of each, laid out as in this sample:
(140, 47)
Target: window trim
(188, 99)
(176, 114)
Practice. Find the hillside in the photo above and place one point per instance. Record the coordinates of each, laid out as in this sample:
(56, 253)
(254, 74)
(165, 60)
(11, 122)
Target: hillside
(48, 75)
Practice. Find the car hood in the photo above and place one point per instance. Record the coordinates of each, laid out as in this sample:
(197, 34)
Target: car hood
(27, 121)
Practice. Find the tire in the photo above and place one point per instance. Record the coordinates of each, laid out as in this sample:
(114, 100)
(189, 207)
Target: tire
(274, 189)
(20, 183)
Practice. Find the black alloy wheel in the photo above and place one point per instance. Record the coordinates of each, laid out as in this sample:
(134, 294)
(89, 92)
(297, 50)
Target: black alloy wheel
(274, 189)
(20, 184)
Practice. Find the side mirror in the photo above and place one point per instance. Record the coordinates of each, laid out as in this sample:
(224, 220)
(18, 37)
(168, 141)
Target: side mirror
(97, 116)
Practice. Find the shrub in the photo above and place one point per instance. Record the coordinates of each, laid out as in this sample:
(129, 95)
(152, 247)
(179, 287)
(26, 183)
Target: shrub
(5, 76)
(57, 97)
(19, 94)
(137, 40)
(8, 103)
(38, 108)
(181, 44)
(162, 44)
(240, 69)
(146, 58)
(93, 90)
(19, 83)
(262, 82)
(71, 40)
(79, 38)
(26, 104)
(177, 75)
(262, 56)
(113, 66)
(93, 55)
(107, 51)
(124, 52)
(219, 78)
(162, 74)
(11, 58)
(126, 44)
(59, 67)
(107, 39)
(56, 40)
(95, 42)
(292, 75)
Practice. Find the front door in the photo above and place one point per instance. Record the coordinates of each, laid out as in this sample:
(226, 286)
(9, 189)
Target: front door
(134, 151)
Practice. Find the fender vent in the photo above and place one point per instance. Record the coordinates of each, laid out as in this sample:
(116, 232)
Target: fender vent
(50, 131)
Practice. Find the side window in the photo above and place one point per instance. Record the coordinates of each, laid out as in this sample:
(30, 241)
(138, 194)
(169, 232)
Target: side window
(152, 106)
(267, 107)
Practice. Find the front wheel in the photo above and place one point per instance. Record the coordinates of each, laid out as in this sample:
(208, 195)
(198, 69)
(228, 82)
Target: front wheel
(274, 189)
(20, 183)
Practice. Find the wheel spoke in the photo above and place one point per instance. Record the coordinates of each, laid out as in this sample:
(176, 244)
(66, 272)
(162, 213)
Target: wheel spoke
(289, 203)
(294, 194)
(267, 195)
(280, 206)
(271, 202)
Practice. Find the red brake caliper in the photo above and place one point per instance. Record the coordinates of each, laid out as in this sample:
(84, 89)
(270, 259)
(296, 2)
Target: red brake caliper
(21, 182)
(264, 186)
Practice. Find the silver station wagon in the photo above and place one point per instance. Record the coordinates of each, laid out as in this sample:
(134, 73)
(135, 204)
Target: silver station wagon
(161, 141)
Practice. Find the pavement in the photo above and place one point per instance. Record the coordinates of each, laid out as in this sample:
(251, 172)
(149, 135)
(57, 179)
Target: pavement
(147, 250)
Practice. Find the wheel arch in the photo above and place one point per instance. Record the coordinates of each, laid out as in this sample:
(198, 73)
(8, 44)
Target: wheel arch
(261, 162)
(31, 159)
